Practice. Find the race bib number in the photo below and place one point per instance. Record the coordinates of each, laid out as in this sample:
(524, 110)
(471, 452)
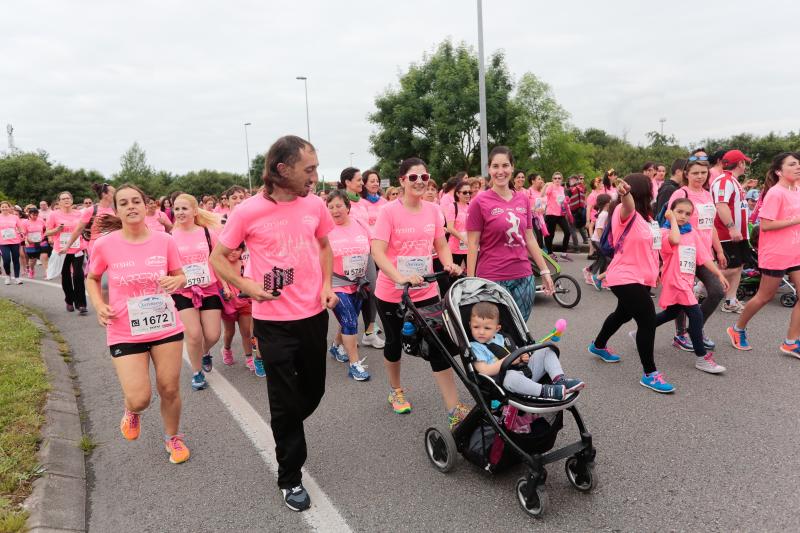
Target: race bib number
(409, 265)
(462, 245)
(63, 239)
(560, 199)
(354, 266)
(35, 236)
(705, 216)
(538, 203)
(655, 231)
(150, 314)
(8, 233)
(687, 259)
(197, 274)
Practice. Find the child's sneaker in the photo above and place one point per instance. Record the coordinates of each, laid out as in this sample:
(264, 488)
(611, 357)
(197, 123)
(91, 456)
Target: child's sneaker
(227, 356)
(130, 425)
(553, 392)
(249, 363)
(597, 282)
(707, 364)
(358, 371)
(207, 364)
(738, 339)
(338, 353)
(683, 342)
(792, 349)
(587, 276)
(258, 368)
(570, 384)
(656, 382)
(397, 399)
(604, 353)
(199, 381)
(708, 343)
(178, 452)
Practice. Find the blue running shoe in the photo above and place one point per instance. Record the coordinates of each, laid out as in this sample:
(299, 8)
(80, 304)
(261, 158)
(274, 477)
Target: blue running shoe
(738, 339)
(338, 353)
(258, 365)
(199, 381)
(207, 364)
(656, 382)
(604, 353)
(708, 343)
(683, 342)
(358, 371)
(597, 282)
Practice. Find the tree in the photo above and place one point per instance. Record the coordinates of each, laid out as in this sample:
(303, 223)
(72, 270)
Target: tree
(257, 170)
(201, 182)
(133, 166)
(539, 115)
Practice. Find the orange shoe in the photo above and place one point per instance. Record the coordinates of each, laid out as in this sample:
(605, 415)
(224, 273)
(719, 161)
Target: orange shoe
(130, 426)
(178, 452)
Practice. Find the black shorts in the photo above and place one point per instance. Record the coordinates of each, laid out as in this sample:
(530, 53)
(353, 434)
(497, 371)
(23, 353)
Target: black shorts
(33, 252)
(128, 348)
(737, 253)
(209, 302)
(778, 273)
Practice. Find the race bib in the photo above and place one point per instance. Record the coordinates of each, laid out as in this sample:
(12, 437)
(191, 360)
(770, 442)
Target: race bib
(8, 233)
(354, 266)
(35, 236)
(409, 265)
(63, 239)
(197, 274)
(655, 231)
(560, 199)
(687, 259)
(705, 216)
(462, 245)
(150, 314)
(537, 204)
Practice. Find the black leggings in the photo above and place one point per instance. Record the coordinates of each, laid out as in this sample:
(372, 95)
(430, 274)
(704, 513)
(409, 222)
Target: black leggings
(393, 326)
(72, 282)
(714, 296)
(10, 254)
(551, 221)
(633, 302)
(695, 323)
(601, 263)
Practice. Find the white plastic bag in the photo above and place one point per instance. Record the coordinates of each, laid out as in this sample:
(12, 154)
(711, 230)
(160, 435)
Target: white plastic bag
(54, 266)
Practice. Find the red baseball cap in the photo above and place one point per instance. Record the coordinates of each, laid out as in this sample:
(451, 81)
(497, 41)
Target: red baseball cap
(735, 156)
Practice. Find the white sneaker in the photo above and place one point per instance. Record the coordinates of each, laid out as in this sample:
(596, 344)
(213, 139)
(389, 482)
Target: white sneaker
(372, 339)
(735, 307)
(18, 281)
(707, 364)
(8, 280)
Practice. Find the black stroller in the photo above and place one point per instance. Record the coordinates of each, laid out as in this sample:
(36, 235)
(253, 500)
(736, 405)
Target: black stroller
(490, 436)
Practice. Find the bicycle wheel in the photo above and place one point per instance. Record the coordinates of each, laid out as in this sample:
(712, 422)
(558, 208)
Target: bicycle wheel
(567, 291)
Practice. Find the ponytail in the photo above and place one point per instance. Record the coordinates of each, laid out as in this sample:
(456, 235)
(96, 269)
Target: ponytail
(203, 218)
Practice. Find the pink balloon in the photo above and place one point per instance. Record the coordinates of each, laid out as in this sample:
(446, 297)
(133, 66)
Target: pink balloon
(561, 325)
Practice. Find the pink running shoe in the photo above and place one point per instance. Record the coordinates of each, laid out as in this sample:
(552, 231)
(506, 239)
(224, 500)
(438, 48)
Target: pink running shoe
(227, 356)
(250, 364)
(30, 273)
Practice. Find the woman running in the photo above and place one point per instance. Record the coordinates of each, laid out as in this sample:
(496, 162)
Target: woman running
(198, 303)
(455, 215)
(156, 220)
(630, 276)
(141, 324)
(11, 231)
(36, 246)
(61, 225)
(350, 243)
(406, 232)
(500, 233)
(555, 212)
(778, 249)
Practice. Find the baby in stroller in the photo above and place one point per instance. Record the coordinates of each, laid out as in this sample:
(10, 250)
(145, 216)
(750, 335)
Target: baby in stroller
(490, 348)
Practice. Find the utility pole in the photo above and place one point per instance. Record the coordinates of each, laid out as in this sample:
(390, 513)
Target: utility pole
(482, 95)
(247, 148)
(662, 120)
(308, 122)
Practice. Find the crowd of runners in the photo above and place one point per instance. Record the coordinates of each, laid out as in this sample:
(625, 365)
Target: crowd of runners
(173, 274)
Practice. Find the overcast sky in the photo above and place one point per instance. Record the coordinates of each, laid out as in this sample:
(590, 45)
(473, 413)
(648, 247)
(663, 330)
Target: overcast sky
(84, 80)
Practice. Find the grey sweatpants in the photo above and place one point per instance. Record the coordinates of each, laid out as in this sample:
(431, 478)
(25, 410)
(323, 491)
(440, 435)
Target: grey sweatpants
(541, 362)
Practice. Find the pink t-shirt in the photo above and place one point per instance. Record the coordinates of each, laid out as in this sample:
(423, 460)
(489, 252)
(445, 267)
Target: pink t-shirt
(591, 201)
(10, 228)
(153, 222)
(459, 223)
(350, 245)
(703, 213)
(70, 221)
(144, 312)
(410, 239)
(194, 252)
(503, 253)
(446, 200)
(555, 199)
(636, 260)
(33, 230)
(282, 241)
(680, 265)
(372, 212)
(536, 200)
(780, 249)
(86, 215)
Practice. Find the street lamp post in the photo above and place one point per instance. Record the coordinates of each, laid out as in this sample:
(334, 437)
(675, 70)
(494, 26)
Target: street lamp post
(351, 158)
(308, 122)
(662, 120)
(482, 95)
(247, 148)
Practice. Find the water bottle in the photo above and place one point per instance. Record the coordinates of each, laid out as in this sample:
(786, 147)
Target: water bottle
(409, 338)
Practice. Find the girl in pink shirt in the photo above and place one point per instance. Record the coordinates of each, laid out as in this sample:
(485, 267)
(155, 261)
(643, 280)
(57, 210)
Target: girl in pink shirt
(682, 250)
(36, 245)
(455, 215)
(199, 302)
(555, 212)
(778, 248)
(406, 232)
(237, 311)
(11, 231)
(141, 323)
(156, 220)
(632, 273)
(60, 225)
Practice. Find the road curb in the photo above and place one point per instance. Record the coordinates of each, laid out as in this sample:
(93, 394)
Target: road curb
(58, 500)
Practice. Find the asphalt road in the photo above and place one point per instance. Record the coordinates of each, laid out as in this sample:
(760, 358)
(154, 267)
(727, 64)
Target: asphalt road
(719, 454)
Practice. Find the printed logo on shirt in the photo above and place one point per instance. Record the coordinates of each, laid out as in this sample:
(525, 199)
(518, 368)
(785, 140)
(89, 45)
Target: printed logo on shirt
(123, 264)
(496, 211)
(271, 224)
(311, 221)
(522, 210)
(429, 228)
(403, 231)
(156, 261)
(513, 234)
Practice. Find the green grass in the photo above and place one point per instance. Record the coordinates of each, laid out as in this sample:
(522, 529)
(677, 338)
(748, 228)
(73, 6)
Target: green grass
(87, 444)
(23, 386)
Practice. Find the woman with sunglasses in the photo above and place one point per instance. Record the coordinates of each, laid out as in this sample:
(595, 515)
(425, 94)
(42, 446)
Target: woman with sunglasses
(393, 193)
(500, 236)
(406, 232)
(555, 212)
(61, 226)
(90, 217)
(455, 215)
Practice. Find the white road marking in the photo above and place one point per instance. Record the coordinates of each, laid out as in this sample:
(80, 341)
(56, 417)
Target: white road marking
(40, 282)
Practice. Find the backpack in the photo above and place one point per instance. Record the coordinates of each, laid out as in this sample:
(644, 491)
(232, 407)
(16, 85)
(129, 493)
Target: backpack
(607, 248)
(87, 231)
(661, 217)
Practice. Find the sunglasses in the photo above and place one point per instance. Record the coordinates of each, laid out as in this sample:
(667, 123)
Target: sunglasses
(465, 193)
(87, 203)
(413, 177)
(698, 158)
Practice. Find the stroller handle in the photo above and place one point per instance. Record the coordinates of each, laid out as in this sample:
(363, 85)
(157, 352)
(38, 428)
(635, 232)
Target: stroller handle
(519, 352)
(430, 278)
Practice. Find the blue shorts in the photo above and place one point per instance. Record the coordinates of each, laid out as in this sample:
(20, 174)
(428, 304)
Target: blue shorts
(346, 312)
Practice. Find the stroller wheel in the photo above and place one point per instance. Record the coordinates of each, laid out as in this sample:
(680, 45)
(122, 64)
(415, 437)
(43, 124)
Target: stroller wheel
(741, 294)
(567, 291)
(583, 479)
(536, 503)
(788, 300)
(441, 449)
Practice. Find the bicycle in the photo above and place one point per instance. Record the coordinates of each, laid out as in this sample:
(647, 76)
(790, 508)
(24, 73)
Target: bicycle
(567, 291)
